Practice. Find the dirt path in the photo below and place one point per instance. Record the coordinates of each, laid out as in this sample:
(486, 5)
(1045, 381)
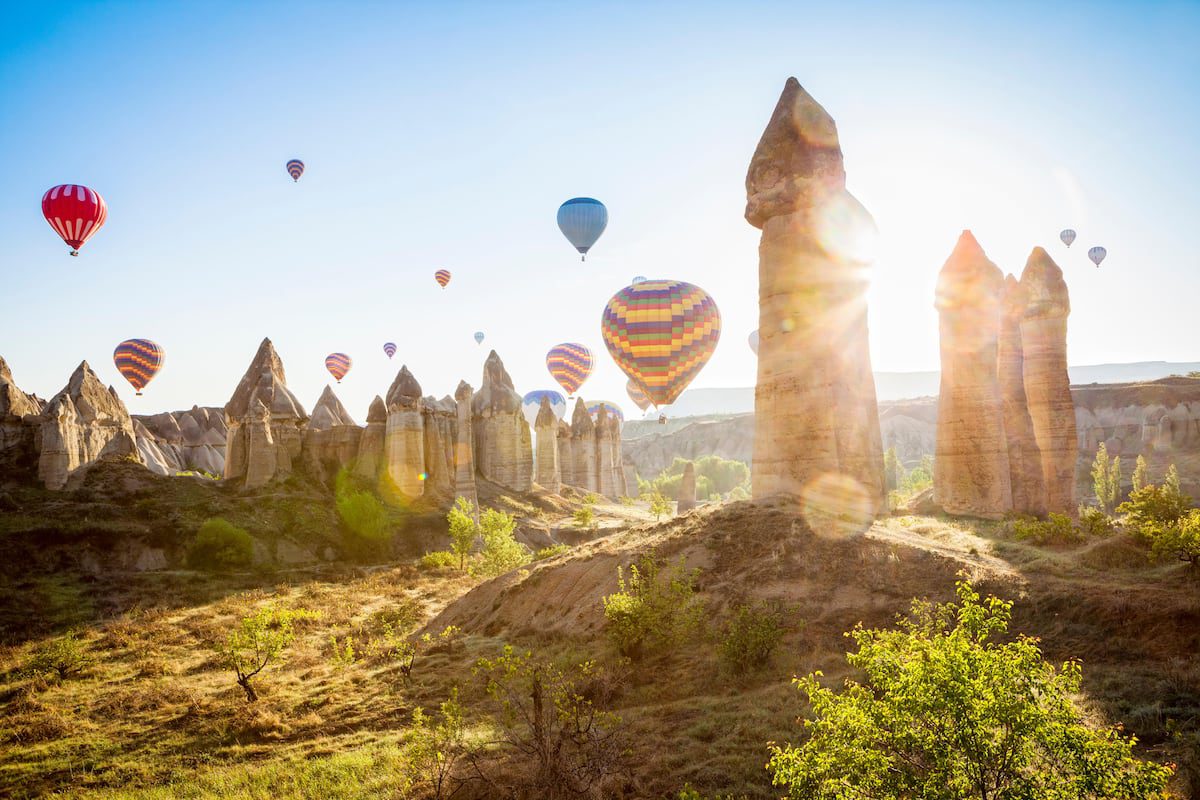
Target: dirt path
(949, 541)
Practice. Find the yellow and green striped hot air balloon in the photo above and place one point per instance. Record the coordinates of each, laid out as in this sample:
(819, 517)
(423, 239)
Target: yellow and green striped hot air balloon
(661, 333)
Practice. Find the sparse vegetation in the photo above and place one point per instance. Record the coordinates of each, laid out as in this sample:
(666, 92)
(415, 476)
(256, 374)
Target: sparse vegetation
(584, 517)
(463, 530)
(714, 476)
(659, 505)
(501, 551)
(258, 640)
(439, 559)
(751, 635)
(219, 544)
(437, 744)
(551, 551)
(64, 657)
(651, 610)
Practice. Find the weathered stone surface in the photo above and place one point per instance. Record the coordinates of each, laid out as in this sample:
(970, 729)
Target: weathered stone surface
(608, 455)
(1047, 386)
(18, 445)
(179, 441)
(566, 454)
(370, 446)
(1024, 457)
(464, 445)
(583, 448)
(264, 422)
(440, 418)
(815, 397)
(971, 469)
(404, 437)
(79, 425)
(503, 444)
(547, 473)
(687, 489)
(331, 438)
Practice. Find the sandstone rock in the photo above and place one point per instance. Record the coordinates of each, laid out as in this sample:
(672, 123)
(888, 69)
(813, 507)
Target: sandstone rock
(566, 454)
(1044, 336)
(179, 441)
(583, 448)
(503, 445)
(687, 489)
(971, 469)
(609, 479)
(815, 397)
(331, 438)
(404, 437)
(264, 423)
(464, 445)
(371, 444)
(18, 441)
(440, 418)
(548, 475)
(1024, 457)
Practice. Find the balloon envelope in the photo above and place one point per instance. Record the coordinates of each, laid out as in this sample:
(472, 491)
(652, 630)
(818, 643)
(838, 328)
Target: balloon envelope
(1097, 254)
(1067, 236)
(531, 404)
(442, 276)
(611, 408)
(138, 361)
(295, 168)
(389, 348)
(478, 337)
(661, 333)
(75, 212)
(338, 365)
(639, 397)
(570, 364)
(754, 341)
(637, 279)
(582, 220)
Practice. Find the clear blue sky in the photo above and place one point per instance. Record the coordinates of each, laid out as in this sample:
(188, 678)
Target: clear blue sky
(446, 135)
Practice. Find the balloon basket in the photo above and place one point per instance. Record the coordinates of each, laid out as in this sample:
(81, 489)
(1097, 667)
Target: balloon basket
(74, 252)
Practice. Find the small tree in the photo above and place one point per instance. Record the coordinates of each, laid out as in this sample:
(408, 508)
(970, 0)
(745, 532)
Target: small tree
(893, 470)
(257, 641)
(659, 505)
(64, 656)
(463, 530)
(584, 516)
(947, 712)
(751, 636)
(650, 610)
(501, 551)
(436, 745)
(1140, 473)
(1180, 539)
(1171, 481)
(1106, 479)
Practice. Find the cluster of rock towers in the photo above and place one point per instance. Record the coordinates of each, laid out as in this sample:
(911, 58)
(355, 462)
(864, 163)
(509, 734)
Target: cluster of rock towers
(1006, 438)
(418, 446)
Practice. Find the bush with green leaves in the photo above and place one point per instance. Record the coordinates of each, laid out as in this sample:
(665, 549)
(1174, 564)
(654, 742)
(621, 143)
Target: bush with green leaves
(952, 707)
(257, 641)
(917, 479)
(1094, 522)
(1155, 506)
(751, 635)
(438, 559)
(584, 517)
(1177, 540)
(365, 516)
(63, 656)
(551, 551)
(463, 530)
(652, 608)
(659, 505)
(437, 743)
(1055, 529)
(501, 551)
(219, 544)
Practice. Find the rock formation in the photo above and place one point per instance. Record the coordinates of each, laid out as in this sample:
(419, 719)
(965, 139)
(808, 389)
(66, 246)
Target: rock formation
(404, 437)
(815, 397)
(583, 448)
(547, 472)
(609, 479)
(503, 445)
(181, 441)
(371, 445)
(264, 422)
(1044, 338)
(566, 454)
(464, 445)
(18, 448)
(1024, 457)
(687, 489)
(440, 419)
(331, 438)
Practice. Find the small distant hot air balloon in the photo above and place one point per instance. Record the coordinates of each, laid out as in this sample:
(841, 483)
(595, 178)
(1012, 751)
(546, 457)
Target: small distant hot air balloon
(582, 220)
(138, 361)
(338, 365)
(637, 279)
(661, 333)
(478, 337)
(532, 403)
(442, 276)
(570, 364)
(611, 408)
(75, 212)
(1097, 254)
(389, 348)
(639, 397)
(754, 341)
(1067, 236)
(295, 168)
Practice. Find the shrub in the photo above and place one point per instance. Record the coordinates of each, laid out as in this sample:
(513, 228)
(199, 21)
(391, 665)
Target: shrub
(436, 745)
(220, 544)
(751, 636)
(258, 640)
(501, 551)
(1057, 529)
(1152, 507)
(942, 705)
(1094, 522)
(919, 478)
(463, 530)
(584, 517)
(65, 656)
(551, 551)
(344, 654)
(438, 559)
(1180, 539)
(650, 612)
(659, 505)
(365, 516)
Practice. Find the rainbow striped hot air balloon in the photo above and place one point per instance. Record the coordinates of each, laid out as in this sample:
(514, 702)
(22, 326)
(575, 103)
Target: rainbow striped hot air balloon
(295, 168)
(442, 276)
(389, 348)
(661, 333)
(611, 408)
(570, 364)
(582, 220)
(639, 397)
(338, 365)
(138, 361)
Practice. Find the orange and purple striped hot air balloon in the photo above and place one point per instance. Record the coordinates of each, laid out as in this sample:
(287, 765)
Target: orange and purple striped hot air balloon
(570, 364)
(338, 365)
(661, 333)
(442, 276)
(295, 168)
(138, 361)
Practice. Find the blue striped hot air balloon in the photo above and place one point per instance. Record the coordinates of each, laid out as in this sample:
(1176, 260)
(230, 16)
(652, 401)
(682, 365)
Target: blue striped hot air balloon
(610, 408)
(531, 404)
(582, 220)
(138, 361)
(295, 168)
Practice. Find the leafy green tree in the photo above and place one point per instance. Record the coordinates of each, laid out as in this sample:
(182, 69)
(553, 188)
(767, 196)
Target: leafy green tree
(919, 478)
(1151, 507)
(1106, 479)
(1171, 481)
(893, 470)
(1180, 539)
(1141, 474)
(650, 609)
(946, 711)
(463, 530)
(64, 656)
(659, 505)
(501, 551)
(258, 640)
(220, 544)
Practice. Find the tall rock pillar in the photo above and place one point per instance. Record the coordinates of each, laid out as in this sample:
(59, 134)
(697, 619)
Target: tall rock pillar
(1024, 457)
(816, 415)
(970, 467)
(370, 450)
(608, 431)
(464, 446)
(404, 436)
(583, 447)
(546, 462)
(1047, 386)
(687, 489)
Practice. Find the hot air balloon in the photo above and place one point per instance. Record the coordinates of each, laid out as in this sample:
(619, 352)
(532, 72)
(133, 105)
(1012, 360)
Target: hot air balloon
(442, 276)
(389, 348)
(1067, 236)
(295, 168)
(478, 337)
(338, 365)
(639, 397)
(661, 333)
(754, 341)
(532, 403)
(637, 279)
(611, 408)
(1097, 254)
(138, 361)
(75, 212)
(570, 364)
(582, 220)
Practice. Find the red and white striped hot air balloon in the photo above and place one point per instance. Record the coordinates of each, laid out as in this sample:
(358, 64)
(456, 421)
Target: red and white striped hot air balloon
(75, 212)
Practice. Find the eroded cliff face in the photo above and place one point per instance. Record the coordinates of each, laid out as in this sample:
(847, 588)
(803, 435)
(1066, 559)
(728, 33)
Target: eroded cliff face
(181, 441)
(503, 444)
(331, 437)
(264, 423)
(18, 450)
